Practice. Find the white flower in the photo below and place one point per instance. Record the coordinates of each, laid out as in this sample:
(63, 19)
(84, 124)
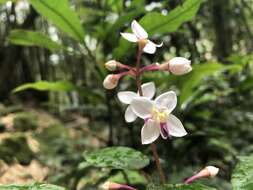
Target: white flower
(158, 117)
(141, 36)
(126, 97)
(180, 66)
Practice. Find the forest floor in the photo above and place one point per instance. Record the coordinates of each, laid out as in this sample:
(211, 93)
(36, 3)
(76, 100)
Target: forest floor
(36, 144)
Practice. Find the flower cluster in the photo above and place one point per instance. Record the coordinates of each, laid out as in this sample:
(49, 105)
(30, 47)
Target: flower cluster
(157, 116)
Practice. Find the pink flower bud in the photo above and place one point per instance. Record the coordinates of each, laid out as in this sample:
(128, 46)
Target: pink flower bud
(213, 171)
(179, 66)
(115, 186)
(111, 81)
(208, 171)
(111, 65)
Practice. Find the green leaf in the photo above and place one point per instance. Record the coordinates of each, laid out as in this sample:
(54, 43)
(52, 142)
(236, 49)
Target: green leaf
(179, 187)
(34, 186)
(242, 177)
(157, 23)
(32, 38)
(59, 86)
(117, 158)
(60, 14)
(194, 78)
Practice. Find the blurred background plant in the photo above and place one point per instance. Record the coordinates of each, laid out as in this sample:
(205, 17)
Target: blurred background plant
(52, 53)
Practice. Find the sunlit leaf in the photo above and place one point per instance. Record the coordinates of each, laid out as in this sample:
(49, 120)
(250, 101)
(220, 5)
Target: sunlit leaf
(34, 186)
(242, 177)
(5, 1)
(179, 187)
(117, 158)
(60, 86)
(32, 38)
(59, 13)
(157, 23)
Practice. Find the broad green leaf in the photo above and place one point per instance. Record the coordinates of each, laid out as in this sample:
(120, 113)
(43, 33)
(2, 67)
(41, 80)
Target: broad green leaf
(194, 78)
(59, 13)
(5, 1)
(128, 176)
(157, 23)
(122, 20)
(34, 186)
(242, 177)
(117, 158)
(60, 86)
(179, 187)
(32, 38)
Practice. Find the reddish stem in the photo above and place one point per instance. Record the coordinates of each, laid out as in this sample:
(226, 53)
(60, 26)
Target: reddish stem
(123, 66)
(152, 67)
(191, 179)
(138, 84)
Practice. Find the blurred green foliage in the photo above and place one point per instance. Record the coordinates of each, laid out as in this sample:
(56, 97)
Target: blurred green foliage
(59, 48)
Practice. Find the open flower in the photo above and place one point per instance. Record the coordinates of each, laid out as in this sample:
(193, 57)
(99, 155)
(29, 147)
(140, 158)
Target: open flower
(126, 97)
(158, 117)
(141, 36)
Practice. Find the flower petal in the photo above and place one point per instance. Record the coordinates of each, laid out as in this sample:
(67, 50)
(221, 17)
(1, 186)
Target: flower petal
(167, 99)
(142, 107)
(159, 45)
(175, 127)
(148, 90)
(126, 97)
(130, 37)
(150, 48)
(150, 132)
(130, 116)
(138, 30)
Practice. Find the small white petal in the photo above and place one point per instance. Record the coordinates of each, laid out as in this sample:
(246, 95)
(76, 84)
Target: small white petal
(150, 48)
(130, 116)
(175, 127)
(138, 30)
(150, 132)
(126, 97)
(130, 37)
(159, 45)
(167, 99)
(142, 107)
(148, 90)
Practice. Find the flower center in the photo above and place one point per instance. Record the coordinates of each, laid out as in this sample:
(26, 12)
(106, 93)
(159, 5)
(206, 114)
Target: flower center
(160, 115)
(142, 43)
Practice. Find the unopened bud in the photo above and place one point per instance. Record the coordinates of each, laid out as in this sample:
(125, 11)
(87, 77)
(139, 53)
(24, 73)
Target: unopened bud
(115, 186)
(111, 81)
(111, 65)
(179, 66)
(213, 171)
(208, 171)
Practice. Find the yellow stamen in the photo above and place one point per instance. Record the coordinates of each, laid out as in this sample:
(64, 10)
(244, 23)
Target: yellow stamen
(159, 115)
(142, 43)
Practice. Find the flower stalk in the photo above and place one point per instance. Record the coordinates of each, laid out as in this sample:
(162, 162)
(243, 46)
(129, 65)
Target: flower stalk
(138, 84)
